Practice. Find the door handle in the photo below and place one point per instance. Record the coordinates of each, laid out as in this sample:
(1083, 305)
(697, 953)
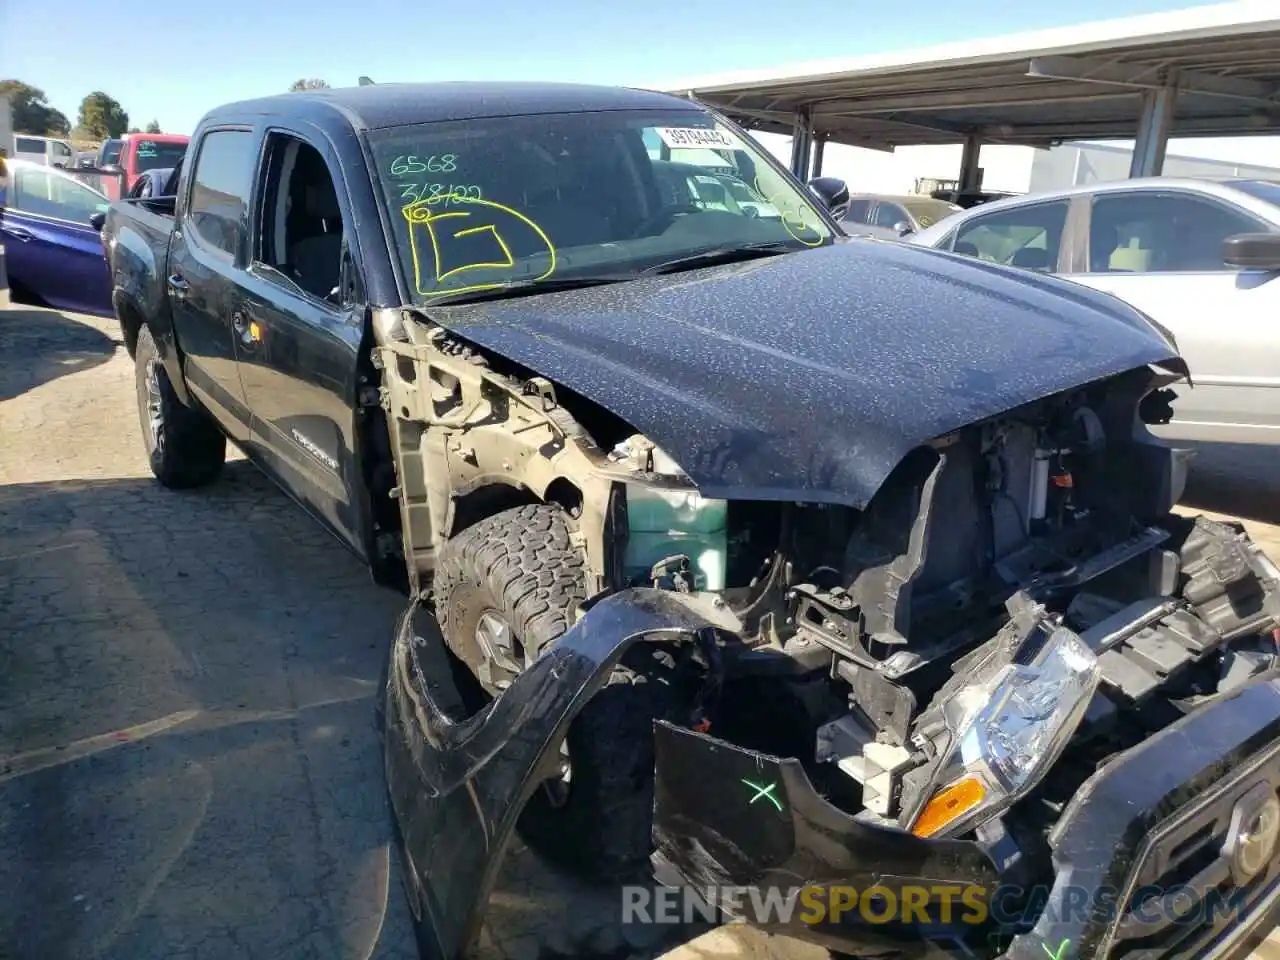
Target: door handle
(247, 329)
(18, 233)
(178, 287)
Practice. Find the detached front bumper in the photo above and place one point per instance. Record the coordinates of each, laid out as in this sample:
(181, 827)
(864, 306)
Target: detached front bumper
(456, 785)
(1155, 821)
(1146, 856)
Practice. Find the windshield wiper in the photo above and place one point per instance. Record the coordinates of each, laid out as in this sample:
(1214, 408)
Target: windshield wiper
(524, 288)
(718, 255)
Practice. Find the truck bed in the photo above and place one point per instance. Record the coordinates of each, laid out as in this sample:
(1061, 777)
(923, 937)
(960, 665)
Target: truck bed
(136, 240)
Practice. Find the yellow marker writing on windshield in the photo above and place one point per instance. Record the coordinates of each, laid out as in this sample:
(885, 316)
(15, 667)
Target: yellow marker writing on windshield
(799, 215)
(446, 228)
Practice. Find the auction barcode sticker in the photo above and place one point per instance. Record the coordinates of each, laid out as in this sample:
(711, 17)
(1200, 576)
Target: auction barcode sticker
(686, 137)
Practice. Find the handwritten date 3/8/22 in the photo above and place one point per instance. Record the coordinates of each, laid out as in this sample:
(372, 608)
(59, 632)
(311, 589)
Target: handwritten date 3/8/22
(435, 163)
(441, 193)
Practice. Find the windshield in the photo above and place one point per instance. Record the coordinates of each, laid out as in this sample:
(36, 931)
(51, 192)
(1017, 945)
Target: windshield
(929, 212)
(1259, 189)
(478, 204)
(152, 154)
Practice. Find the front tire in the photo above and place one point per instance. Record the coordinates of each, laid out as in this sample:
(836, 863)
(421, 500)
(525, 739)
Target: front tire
(186, 448)
(507, 588)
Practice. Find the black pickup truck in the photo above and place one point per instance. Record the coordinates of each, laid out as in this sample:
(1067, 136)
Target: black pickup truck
(760, 555)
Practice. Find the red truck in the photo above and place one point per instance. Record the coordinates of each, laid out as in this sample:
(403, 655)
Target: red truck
(141, 152)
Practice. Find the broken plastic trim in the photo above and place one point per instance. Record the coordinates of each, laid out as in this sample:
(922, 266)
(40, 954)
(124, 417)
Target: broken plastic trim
(457, 786)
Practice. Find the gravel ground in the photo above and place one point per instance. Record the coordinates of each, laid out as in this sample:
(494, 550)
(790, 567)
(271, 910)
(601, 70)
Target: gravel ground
(188, 768)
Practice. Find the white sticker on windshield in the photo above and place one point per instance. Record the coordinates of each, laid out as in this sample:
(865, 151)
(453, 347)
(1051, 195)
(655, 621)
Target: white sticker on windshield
(686, 137)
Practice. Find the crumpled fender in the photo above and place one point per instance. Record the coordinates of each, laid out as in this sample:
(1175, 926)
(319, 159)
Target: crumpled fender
(457, 786)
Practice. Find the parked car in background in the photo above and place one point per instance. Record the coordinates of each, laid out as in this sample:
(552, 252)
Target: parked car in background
(1165, 246)
(142, 152)
(967, 199)
(47, 151)
(893, 217)
(53, 252)
(108, 154)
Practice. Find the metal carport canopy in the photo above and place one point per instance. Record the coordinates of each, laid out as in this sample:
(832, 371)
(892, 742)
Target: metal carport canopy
(1203, 71)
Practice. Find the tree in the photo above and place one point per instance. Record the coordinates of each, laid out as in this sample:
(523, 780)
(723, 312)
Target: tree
(308, 85)
(134, 130)
(102, 117)
(153, 126)
(31, 111)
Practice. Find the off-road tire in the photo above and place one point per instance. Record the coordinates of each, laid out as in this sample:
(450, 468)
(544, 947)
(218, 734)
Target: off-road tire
(522, 564)
(191, 449)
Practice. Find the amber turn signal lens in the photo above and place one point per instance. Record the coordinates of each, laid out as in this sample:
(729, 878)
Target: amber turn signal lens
(948, 805)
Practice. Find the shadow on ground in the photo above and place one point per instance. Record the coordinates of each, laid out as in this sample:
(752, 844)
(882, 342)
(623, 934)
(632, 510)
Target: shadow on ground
(42, 345)
(1235, 478)
(186, 696)
(188, 761)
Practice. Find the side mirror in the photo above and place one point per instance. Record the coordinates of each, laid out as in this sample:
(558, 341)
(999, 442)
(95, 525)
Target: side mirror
(98, 220)
(832, 191)
(1252, 251)
(902, 228)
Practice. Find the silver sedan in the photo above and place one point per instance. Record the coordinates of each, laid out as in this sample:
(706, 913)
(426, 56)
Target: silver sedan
(1199, 257)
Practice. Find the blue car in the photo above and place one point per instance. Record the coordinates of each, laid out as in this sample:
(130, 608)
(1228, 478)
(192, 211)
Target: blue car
(53, 251)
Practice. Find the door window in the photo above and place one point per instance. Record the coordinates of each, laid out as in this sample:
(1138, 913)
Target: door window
(889, 215)
(44, 193)
(220, 188)
(859, 211)
(1147, 232)
(301, 225)
(60, 150)
(1028, 237)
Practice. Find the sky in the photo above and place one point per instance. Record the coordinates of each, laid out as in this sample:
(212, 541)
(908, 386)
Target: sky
(173, 62)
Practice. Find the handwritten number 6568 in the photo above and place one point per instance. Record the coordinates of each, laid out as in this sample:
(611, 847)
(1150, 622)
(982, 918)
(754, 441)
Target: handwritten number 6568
(441, 163)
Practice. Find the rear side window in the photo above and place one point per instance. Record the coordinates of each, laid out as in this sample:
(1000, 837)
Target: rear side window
(859, 211)
(220, 188)
(1028, 237)
(1147, 232)
(890, 215)
(28, 145)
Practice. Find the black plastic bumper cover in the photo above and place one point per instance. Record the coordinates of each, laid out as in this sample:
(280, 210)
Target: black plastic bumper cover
(456, 789)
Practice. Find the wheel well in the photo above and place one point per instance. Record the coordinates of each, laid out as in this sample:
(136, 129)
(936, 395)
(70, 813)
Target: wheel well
(566, 494)
(130, 324)
(483, 502)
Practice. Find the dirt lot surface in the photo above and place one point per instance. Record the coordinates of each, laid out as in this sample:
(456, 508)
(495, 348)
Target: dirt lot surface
(188, 766)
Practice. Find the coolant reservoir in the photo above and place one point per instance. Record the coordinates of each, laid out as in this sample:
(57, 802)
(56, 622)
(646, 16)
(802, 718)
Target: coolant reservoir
(664, 523)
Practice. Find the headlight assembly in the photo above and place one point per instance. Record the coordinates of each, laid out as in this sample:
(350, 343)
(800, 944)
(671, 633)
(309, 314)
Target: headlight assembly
(1009, 729)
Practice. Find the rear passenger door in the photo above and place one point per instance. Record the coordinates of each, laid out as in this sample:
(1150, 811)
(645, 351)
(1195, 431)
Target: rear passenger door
(299, 327)
(206, 256)
(1161, 251)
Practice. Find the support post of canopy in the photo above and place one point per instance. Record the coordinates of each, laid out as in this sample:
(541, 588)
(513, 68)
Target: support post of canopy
(819, 149)
(801, 145)
(970, 174)
(1153, 131)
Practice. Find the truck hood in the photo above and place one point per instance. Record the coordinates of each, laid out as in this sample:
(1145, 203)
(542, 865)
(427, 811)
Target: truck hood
(809, 376)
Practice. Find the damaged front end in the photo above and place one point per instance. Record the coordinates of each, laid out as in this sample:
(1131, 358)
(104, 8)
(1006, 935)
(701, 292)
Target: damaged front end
(936, 688)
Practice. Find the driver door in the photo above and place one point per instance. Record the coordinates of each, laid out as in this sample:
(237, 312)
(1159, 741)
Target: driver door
(52, 251)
